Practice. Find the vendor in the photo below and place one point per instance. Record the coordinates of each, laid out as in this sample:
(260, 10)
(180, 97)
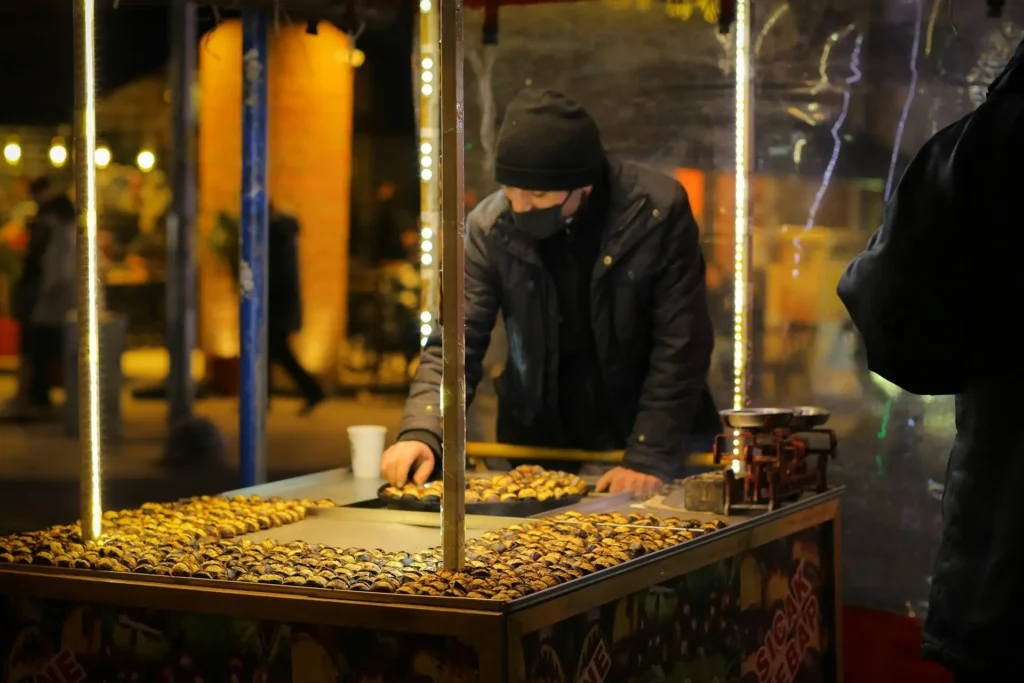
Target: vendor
(596, 267)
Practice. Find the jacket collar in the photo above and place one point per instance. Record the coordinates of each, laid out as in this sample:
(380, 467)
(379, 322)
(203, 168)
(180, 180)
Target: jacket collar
(624, 226)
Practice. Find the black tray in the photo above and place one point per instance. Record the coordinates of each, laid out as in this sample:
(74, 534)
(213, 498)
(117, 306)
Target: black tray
(519, 508)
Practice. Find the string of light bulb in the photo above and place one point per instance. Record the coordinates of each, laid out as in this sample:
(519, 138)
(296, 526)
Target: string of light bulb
(58, 155)
(428, 161)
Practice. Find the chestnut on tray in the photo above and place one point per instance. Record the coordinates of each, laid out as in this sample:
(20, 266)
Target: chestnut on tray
(525, 491)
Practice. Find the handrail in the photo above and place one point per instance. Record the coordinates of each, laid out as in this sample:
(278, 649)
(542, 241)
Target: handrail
(477, 450)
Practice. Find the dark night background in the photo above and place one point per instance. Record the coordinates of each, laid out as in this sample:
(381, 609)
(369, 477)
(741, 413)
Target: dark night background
(37, 54)
(37, 59)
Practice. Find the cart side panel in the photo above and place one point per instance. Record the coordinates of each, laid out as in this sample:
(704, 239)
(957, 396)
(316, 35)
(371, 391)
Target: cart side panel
(67, 642)
(764, 616)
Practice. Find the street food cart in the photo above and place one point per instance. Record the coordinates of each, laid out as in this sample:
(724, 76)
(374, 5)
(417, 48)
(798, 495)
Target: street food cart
(755, 600)
(311, 579)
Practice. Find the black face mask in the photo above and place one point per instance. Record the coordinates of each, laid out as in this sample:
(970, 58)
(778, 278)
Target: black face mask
(541, 224)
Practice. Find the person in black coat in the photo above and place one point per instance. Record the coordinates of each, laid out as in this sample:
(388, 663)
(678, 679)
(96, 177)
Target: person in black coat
(595, 266)
(284, 300)
(934, 296)
(42, 298)
(26, 291)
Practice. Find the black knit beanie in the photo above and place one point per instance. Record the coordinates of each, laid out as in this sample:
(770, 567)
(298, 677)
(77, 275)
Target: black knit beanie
(548, 143)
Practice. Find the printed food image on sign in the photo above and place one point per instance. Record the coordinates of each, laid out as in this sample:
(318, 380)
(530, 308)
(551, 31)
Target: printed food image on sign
(30, 652)
(311, 663)
(547, 667)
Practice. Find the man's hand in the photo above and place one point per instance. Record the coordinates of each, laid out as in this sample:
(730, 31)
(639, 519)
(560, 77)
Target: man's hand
(619, 479)
(405, 457)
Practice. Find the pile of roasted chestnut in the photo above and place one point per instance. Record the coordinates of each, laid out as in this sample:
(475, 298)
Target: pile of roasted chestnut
(527, 558)
(193, 538)
(155, 533)
(524, 483)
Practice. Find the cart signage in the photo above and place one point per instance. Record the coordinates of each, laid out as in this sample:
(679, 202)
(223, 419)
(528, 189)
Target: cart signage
(62, 669)
(596, 670)
(759, 617)
(53, 641)
(794, 628)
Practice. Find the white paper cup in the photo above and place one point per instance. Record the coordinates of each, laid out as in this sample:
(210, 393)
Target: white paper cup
(366, 444)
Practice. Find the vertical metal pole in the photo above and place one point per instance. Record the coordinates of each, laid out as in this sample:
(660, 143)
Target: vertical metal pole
(181, 274)
(252, 270)
(453, 380)
(89, 418)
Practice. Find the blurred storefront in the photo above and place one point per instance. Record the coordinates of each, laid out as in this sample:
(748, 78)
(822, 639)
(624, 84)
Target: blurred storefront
(133, 196)
(315, 110)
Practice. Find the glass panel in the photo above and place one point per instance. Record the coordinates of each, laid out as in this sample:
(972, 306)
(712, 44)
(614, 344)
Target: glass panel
(658, 79)
(845, 96)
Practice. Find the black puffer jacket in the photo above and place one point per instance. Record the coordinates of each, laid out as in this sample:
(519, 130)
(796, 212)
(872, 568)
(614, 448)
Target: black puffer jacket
(936, 296)
(648, 312)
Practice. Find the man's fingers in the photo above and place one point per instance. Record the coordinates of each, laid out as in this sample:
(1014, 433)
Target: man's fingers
(654, 487)
(399, 471)
(387, 464)
(604, 482)
(423, 471)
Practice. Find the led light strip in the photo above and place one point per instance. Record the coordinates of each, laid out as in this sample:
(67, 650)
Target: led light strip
(88, 299)
(743, 140)
(429, 147)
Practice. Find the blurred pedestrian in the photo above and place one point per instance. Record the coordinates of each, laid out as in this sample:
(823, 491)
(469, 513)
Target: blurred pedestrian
(42, 297)
(56, 298)
(284, 299)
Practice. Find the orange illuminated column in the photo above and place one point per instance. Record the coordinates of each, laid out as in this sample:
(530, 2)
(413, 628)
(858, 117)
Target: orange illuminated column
(693, 180)
(310, 119)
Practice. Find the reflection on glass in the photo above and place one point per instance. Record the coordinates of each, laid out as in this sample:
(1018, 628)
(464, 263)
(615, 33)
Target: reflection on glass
(842, 96)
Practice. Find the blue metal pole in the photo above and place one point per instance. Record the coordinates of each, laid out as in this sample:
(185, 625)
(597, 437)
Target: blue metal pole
(253, 266)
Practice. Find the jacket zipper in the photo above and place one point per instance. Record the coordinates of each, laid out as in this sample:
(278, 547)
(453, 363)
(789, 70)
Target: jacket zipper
(597, 282)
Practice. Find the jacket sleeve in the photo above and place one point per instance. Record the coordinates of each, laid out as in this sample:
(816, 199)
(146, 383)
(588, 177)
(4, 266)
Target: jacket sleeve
(682, 341)
(910, 291)
(422, 416)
